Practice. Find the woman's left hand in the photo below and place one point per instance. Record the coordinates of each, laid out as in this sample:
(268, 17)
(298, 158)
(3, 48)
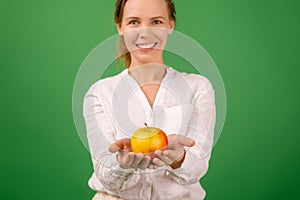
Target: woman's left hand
(174, 155)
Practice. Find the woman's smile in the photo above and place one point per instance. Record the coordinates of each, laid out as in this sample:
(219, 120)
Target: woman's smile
(146, 47)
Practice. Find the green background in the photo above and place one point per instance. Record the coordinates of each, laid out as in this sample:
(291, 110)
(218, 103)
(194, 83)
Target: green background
(254, 43)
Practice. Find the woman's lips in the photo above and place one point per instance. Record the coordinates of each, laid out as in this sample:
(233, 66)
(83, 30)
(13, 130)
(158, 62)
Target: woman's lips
(146, 47)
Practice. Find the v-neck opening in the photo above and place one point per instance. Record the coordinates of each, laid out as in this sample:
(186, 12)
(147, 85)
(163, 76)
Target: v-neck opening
(142, 95)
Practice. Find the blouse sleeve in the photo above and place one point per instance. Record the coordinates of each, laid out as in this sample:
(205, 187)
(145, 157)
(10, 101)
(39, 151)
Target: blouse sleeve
(100, 135)
(201, 129)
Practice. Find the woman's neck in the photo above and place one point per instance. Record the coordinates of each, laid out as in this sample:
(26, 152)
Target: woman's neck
(148, 73)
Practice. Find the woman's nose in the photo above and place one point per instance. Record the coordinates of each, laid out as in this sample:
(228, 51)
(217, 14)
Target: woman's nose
(144, 31)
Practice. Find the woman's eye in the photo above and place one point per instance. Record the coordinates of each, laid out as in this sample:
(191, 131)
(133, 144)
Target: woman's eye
(133, 22)
(157, 22)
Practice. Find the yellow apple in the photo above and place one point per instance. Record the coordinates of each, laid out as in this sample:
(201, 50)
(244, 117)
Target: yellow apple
(148, 139)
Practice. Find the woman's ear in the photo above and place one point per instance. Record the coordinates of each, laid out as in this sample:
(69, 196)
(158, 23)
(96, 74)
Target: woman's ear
(118, 26)
(171, 27)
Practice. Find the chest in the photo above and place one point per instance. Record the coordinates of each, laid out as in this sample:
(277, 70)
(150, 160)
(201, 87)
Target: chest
(150, 92)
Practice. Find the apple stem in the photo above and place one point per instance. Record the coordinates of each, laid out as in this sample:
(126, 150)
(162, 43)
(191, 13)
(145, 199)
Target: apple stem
(146, 125)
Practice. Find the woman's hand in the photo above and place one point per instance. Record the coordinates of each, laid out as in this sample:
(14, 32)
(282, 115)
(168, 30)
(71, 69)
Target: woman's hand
(175, 154)
(126, 158)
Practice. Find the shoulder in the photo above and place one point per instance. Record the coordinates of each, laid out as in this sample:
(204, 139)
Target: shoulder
(196, 81)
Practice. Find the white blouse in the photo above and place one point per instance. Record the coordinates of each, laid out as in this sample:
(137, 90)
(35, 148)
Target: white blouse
(115, 107)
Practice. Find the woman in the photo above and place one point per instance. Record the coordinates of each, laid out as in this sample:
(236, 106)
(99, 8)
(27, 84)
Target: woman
(180, 104)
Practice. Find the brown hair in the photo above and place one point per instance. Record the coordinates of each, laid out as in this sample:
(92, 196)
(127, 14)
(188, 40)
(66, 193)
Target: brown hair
(118, 15)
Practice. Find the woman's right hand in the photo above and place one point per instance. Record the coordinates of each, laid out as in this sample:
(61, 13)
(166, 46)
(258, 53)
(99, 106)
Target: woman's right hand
(126, 158)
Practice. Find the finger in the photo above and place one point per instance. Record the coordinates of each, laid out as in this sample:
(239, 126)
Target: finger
(126, 159)
(151, 166)
(179, 141)
(138, 158)
(185, 141)
(118, 158)
(174, 154)
(158, 152)
(164, 158)
(158, 162)
(120, 155)
(145, 162)
(120, 144)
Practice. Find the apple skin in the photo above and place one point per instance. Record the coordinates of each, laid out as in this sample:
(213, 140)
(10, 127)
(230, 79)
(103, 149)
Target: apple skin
(149, 139)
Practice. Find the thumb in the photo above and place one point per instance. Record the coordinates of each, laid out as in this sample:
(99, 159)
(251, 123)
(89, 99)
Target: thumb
(119, 144)
(188, 142)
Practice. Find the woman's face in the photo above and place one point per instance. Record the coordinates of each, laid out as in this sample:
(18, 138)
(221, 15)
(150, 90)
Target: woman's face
(145, 27)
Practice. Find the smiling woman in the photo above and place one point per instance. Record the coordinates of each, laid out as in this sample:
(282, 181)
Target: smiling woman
(147, 91)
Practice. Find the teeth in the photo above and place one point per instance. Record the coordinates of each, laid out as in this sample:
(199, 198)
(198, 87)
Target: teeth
(146, 46)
